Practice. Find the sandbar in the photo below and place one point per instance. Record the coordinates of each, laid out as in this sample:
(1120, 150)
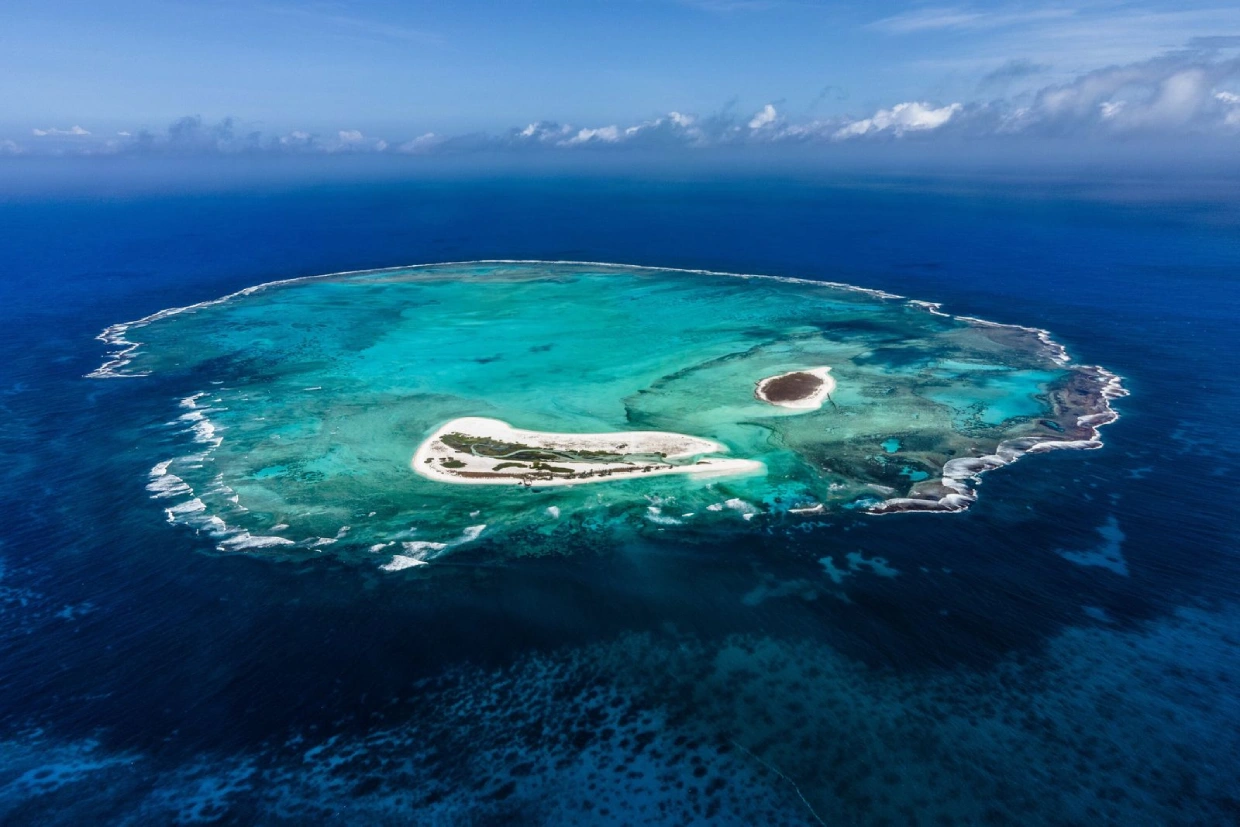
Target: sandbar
(481, 451)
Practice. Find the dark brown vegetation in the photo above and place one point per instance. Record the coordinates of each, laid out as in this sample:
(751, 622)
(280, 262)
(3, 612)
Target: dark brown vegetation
(791, 387)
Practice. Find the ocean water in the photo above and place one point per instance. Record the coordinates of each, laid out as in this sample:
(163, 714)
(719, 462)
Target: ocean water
(1064, 651)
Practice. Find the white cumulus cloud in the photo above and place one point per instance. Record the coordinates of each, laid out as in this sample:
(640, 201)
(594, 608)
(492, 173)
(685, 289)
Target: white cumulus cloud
(74, 130)
(297, 138)
(1170, 94)
(1231, 107)
(910, 116)
(763, 118)
(1189, 94)
(420, 145)
(604, 134)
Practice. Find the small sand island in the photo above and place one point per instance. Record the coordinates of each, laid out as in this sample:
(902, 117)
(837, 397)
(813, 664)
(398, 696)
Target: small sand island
(482, 451)
(803, 390)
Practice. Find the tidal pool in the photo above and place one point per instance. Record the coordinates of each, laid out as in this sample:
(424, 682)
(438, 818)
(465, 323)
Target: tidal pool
(306, 401)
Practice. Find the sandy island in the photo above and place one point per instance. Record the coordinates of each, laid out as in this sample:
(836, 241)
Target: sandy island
(802, 390)
(480, 451)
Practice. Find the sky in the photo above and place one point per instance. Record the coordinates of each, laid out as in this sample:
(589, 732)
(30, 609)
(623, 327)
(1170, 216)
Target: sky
(115, 76)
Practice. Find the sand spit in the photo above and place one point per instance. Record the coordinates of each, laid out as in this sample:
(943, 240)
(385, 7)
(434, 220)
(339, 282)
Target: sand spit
(482, 451)
(797, 389)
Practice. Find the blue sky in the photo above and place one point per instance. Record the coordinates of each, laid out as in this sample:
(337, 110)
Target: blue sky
(380, 74)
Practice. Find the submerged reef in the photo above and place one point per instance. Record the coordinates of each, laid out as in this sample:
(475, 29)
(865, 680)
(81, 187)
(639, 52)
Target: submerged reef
(344, 411)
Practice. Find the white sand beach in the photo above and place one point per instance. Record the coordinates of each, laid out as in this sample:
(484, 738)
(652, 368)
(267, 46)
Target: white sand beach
(645, 453)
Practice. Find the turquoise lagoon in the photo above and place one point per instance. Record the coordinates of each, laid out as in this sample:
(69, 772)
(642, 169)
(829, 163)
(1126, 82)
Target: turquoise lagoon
(304, 402)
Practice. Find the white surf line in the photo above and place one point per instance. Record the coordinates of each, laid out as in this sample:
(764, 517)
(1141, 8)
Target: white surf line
(1058, 352)
(422, 552)
(962, 474)
(432, 458)
(115, 334)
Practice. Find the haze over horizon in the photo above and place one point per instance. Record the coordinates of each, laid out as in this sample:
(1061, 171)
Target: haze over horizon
(173, 78)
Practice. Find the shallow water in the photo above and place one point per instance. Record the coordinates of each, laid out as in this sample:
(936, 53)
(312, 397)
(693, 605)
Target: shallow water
(1062, 652)
(304, 401)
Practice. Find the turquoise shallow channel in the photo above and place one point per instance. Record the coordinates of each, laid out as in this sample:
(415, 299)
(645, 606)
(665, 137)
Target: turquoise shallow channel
(306, 401)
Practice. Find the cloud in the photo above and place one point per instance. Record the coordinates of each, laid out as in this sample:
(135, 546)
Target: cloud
(420, 145)
(297, 138)
(941, 19)
(354, 26)
(352, 140)
(192, 135)
(925, 20)
(1215, 42)
(972, 37)
(1165, 95)
(901, 118)
(766, 117)
(1187, 94)
(603, 134)
(1012, 70)
(73, 131)
(1109, 110)
(829, 92)
(673, 129)
(542, 132)
(1231, 107)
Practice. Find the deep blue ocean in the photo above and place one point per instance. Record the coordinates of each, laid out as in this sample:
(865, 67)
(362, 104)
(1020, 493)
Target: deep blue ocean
(1065, 652)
